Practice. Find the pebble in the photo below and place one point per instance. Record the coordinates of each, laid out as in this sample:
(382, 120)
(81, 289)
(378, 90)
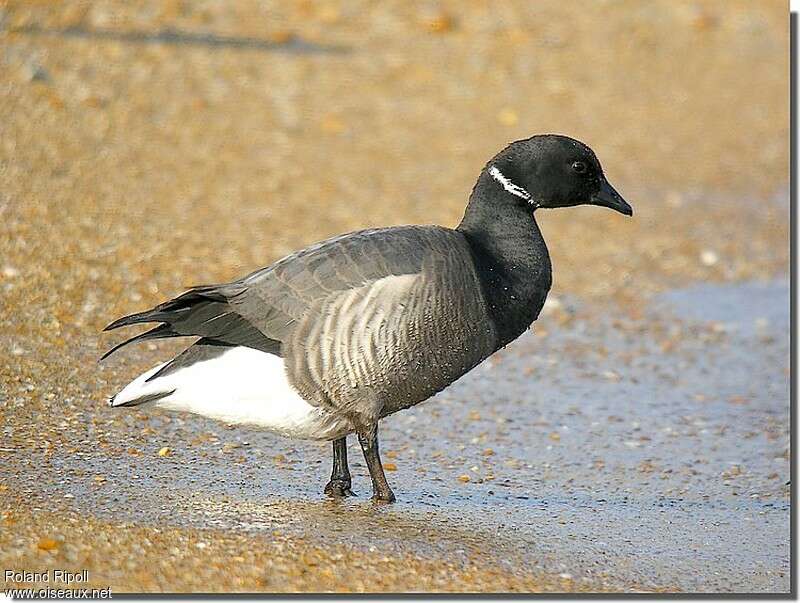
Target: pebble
(47, 544)
(35, 73)
(440, 23)
(332, 124)
(508, 117)
(709, 257)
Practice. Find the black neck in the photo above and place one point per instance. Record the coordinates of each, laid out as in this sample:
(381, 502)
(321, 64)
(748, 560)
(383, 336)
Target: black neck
(510, 256)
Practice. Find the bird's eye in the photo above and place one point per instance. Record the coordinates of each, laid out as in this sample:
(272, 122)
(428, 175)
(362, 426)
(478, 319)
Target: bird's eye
(579, 166)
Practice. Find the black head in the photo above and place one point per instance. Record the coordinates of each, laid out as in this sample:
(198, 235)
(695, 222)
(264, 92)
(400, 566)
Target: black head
(553, 171)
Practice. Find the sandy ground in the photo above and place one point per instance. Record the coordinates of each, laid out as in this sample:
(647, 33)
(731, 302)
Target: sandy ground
(636, 440)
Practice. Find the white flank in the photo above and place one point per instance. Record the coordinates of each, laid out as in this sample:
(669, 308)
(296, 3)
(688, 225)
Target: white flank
(241, 386)
(512, 188)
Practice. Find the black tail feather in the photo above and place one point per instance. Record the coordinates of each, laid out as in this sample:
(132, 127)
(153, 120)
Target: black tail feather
(141, 400)
(160, 332)
(172, 310)
(199, 312)
(131, 319)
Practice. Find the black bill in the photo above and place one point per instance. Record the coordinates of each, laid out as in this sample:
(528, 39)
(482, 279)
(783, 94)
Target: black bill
(608, 197)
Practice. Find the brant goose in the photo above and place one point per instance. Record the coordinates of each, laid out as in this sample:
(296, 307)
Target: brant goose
(332, 338)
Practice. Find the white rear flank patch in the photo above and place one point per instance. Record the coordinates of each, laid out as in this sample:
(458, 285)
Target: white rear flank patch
(241, 386)
(512, 188)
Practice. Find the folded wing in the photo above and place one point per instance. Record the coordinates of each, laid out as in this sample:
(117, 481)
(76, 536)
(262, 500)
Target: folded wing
(262, 309)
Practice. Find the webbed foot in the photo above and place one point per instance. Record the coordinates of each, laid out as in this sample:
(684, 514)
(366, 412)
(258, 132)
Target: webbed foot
(338, 488)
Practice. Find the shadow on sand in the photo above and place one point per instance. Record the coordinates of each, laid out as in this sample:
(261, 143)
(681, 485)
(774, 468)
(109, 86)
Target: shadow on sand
(292, 44)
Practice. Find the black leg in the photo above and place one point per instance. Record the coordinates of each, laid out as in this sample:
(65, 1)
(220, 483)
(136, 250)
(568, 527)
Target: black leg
(340, 483)
(369, 445)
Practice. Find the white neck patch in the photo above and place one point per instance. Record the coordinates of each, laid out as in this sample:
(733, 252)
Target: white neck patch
(512, 188)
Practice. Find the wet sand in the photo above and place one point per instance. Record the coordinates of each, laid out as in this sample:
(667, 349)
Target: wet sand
(636, 439)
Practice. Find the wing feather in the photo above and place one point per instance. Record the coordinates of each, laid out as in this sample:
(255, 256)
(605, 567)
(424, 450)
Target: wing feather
(264, 308)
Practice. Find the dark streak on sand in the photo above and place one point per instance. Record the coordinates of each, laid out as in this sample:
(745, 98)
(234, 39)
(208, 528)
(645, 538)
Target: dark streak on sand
(174, 37)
